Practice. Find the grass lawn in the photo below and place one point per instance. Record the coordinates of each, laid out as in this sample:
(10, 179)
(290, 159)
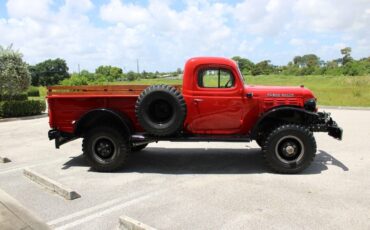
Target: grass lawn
(330, 90)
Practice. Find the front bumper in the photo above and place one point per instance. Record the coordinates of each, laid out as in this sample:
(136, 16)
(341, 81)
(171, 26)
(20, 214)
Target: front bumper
(325, 123)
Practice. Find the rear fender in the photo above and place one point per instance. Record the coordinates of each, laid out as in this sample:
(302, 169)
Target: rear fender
(103, 116)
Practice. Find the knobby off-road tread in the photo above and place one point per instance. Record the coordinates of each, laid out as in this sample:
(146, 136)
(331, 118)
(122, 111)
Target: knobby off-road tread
(172, 92)
(307, 159)
(124, 149)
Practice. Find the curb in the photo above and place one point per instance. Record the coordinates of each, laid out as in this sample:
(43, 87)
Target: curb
(51, 185)
(19, 215)
(127, 223)
(23, 118)
(4, 160)
(343, 107)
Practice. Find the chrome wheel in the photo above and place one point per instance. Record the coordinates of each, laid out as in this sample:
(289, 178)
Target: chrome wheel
(289, 149)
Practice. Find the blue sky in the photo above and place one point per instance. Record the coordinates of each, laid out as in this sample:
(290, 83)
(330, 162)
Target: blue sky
(162, 34)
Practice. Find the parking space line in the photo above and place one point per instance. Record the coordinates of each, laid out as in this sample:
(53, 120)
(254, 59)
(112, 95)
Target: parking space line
(95, 208)
(19, 168)
(109, 210)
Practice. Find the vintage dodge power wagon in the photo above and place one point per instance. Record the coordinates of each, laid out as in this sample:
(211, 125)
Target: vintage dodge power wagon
(213, 104)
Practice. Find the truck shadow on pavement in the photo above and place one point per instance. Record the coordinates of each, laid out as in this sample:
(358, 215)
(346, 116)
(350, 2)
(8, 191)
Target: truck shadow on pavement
(206, 161)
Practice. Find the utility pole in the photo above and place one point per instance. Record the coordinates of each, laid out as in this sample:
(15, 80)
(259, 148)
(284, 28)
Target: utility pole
(137, 66)
(79, 72)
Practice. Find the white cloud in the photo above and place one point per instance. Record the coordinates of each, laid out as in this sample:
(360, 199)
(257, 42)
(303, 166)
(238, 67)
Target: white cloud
(162, 37)
(25, 8)
(131, 14)
(79, 6)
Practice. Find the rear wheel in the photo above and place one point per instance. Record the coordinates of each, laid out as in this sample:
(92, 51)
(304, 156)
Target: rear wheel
(289, 148)
(105, 148)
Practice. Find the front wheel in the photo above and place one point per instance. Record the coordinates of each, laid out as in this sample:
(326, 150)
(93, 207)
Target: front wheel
(289, 148)
(105, 148)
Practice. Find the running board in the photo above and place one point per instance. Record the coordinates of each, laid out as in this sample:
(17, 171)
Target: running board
(141, 139)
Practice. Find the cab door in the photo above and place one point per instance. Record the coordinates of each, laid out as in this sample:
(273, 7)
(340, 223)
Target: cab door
(218, 101)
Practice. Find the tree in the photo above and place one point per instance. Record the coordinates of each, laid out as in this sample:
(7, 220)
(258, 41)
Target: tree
(346, 52)
(131, 76)
(244, 64)
(14, 75)
(310, 60)
(297, 61)
(263, 67)
(111, 73)
(49, 72)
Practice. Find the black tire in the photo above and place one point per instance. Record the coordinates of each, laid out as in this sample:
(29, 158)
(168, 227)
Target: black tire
(260, 141)
(161, 110)
(138, 148)
(289, 148)
(105, 148)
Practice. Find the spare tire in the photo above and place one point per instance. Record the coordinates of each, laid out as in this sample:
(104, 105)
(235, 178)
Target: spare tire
(161, 110)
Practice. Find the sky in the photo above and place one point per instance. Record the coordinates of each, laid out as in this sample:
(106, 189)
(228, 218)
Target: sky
(163, 34)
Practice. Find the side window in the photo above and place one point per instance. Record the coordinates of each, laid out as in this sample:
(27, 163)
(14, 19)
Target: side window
(216, 78)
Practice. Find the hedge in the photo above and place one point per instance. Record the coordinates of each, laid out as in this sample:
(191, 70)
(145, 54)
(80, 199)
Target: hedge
(16, 97)
(21, 108)
(33, 92)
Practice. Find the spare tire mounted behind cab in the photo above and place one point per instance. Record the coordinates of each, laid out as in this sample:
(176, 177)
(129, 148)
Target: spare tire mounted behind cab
(161, 110)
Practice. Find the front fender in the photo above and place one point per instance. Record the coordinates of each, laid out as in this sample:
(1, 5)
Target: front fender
(283, 115)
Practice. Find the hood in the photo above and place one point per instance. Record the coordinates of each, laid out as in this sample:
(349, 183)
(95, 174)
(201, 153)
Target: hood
(280, 91)
(275, 96)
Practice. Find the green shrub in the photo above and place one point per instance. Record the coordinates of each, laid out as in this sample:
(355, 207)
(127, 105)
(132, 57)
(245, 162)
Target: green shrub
(33, 92)
(15, 97)
(21, 108)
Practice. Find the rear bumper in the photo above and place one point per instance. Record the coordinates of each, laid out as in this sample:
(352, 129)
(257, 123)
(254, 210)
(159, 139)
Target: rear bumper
(326, 124)
(60, 137)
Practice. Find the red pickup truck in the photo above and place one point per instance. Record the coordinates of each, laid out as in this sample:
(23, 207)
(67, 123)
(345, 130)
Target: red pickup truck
(213, 104)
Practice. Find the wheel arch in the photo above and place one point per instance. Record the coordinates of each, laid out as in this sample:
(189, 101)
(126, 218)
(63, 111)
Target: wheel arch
(103, 116)
(283, 114)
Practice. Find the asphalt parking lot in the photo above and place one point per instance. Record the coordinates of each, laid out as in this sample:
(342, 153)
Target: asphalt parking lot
(195, 185)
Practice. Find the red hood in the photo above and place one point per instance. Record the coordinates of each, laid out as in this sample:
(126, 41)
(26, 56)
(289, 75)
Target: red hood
(275, 96)
(279, 92)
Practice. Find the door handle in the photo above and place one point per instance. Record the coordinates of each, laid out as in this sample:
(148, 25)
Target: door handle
(249, 95)
(196, 101)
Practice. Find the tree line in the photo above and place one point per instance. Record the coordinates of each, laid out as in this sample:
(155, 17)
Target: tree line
(308, 64)
(56, 71)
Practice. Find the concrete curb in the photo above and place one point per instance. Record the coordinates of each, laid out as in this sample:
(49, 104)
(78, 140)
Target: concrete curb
(51, 185)
(4, 160)
(23, 118)
(342, 107)
(17, 215)
(127, 223)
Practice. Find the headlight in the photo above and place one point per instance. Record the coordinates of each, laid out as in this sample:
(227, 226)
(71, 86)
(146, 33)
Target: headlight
(310, 105)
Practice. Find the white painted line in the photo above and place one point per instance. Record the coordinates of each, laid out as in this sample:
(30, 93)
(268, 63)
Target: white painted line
(107, 211)
(127, 223)
(51, 185)
(22, 166)
(97, 207)
(4, 160)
